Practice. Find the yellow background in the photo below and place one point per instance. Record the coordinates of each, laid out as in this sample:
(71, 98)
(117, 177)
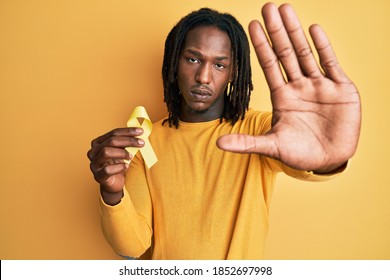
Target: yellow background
(72, 70)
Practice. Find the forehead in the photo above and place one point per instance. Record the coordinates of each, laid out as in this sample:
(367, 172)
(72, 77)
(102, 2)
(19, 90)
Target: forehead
(208, 39)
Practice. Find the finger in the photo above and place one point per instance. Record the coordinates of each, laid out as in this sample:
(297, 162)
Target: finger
(103, 174)
(266, 56)
(281, 42)
(302, 49)
(114, 141)
(241, 143)
(126, 131)
(327, 56)
(123, 142)
(110, 153)
(94, 168)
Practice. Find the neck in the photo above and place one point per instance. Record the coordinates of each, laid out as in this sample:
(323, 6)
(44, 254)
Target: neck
(212, 113)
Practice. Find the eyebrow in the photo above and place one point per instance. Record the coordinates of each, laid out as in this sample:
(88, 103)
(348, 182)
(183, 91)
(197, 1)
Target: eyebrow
(199, 54)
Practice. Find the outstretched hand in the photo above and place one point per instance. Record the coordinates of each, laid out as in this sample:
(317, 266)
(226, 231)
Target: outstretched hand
(316, 108)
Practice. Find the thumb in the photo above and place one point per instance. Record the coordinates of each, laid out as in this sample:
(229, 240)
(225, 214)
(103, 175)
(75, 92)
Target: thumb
(242, 143)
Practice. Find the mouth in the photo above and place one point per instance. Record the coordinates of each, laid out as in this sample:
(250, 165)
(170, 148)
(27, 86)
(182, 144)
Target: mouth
(201, 93)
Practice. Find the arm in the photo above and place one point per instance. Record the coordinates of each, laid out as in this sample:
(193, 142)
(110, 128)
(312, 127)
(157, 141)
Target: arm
(125, 213)
(316, 109)
(127, 226)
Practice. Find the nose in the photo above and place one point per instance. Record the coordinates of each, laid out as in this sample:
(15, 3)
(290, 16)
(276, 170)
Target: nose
(204, 74)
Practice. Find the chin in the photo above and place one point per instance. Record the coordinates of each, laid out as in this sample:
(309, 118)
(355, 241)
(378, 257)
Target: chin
(197, 110)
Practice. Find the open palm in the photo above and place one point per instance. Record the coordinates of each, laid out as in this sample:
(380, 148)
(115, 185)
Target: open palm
(316, 109)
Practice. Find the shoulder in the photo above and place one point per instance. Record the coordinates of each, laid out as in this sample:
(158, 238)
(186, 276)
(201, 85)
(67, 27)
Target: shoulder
(255, 115)
(160, 123)
(162, 127)
(255, 121)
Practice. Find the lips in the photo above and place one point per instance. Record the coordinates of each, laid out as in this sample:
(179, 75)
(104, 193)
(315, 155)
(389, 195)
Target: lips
(200, 93)
(199, 96)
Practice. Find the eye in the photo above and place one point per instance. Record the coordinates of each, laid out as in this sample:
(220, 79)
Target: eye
(192, 60)
(220, 66)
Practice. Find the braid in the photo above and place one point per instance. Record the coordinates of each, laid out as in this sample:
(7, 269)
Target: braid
(237, 96)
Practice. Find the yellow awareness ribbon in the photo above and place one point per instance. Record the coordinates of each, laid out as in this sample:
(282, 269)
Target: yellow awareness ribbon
(139, 118)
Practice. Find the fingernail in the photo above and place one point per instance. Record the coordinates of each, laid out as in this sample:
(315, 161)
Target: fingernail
(141, 142)
(138, 130)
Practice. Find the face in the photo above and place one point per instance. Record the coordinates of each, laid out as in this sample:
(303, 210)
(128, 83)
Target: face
(204, 71)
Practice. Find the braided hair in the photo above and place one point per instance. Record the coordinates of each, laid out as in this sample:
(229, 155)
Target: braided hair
(237, 96)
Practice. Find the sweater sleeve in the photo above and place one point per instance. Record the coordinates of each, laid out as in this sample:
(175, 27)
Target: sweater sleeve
(310, 175)
(127, 226)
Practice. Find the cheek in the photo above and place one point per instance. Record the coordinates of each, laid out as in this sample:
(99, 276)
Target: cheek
(184, 76)
(185, 70)
(222, 83)
(181, 80)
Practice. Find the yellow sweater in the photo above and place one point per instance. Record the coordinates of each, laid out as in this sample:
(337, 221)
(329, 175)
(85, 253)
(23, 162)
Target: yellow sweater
(197, 201)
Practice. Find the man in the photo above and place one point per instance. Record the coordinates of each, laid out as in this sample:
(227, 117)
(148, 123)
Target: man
(208, 195)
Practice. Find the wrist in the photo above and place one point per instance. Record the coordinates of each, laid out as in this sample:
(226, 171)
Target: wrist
(331, 169)
(111, 198)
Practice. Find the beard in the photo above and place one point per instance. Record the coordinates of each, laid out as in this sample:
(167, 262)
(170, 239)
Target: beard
(196, 111)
